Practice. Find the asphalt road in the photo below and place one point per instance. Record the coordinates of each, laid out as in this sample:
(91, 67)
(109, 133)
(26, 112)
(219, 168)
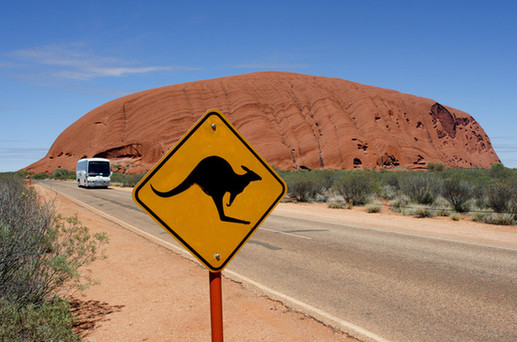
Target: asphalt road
(386, 285)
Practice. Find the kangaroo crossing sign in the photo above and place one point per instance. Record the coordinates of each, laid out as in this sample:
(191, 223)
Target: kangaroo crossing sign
(211, 191)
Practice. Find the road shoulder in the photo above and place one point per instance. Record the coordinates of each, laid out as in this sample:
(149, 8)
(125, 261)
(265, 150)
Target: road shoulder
(150, 293)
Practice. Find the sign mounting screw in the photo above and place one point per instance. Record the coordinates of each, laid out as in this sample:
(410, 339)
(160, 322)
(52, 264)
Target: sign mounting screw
(213, 127)
(217, 256)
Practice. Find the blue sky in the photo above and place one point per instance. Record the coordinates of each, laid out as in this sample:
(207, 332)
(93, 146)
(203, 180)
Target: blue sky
(61, 59)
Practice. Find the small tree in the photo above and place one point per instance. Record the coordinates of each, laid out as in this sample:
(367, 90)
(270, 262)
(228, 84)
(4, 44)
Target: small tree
(303, 185)
(438, 167)
(421, 187)
(497, 170)
(63, 174)
(502, 196)
(458, 193)
(40, 252)
(325, 177)
(40, 175)
(356, 186)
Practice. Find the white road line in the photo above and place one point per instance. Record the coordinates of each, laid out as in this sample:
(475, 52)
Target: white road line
(348, 327)
(285, 233)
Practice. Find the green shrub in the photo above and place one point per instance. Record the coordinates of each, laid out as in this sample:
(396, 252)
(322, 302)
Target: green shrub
(132, 180)
(437, 167)
(63, 174)
(40, 257)
(421, 187)
(118, 178)
(41, 253)
(505, 219)
(455, 217)
(441, 207)
(399, 204)
(388, 192)
(41, 175)
(374, 207)
(458, 192)
(325, 177)
(336, 205)
(479, 216)
(303, 185)
(356, 186)
(391, 179)
(49, 321)
(495, 218)
(479, 195)
(422, 211)
(502, 196)
(498, 170)
(126, 180)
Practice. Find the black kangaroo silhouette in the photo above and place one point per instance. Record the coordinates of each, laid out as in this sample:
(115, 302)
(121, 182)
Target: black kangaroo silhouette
(216, 177)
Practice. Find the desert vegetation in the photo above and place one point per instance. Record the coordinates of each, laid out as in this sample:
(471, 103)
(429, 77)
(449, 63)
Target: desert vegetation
(486, 195)
(41, 255)
(125, 179)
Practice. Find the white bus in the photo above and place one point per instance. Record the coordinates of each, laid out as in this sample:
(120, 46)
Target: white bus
(93, 172)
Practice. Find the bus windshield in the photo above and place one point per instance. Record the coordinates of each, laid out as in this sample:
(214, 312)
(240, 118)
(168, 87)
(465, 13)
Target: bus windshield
(100, 168)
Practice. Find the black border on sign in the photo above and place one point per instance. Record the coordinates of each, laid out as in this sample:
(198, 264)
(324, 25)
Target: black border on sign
(169, 155)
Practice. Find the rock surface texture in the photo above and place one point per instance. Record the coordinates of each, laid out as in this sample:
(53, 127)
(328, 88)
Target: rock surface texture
(292, 120)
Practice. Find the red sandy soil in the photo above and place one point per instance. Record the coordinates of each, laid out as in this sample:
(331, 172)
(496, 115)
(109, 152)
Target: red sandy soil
(292, 120)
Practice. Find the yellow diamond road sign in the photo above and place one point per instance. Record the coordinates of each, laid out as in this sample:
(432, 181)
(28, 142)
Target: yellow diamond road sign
(211, 191)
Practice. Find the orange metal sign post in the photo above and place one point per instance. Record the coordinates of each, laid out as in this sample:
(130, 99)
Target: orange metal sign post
(216, 306)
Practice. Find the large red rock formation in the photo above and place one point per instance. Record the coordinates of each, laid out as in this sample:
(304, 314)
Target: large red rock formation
(292, 120)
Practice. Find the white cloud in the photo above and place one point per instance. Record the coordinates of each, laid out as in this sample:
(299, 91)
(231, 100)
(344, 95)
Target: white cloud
(74, 61)
(89, 72)
(20, 152)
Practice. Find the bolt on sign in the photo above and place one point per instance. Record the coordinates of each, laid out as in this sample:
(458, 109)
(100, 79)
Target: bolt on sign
(211, 191)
